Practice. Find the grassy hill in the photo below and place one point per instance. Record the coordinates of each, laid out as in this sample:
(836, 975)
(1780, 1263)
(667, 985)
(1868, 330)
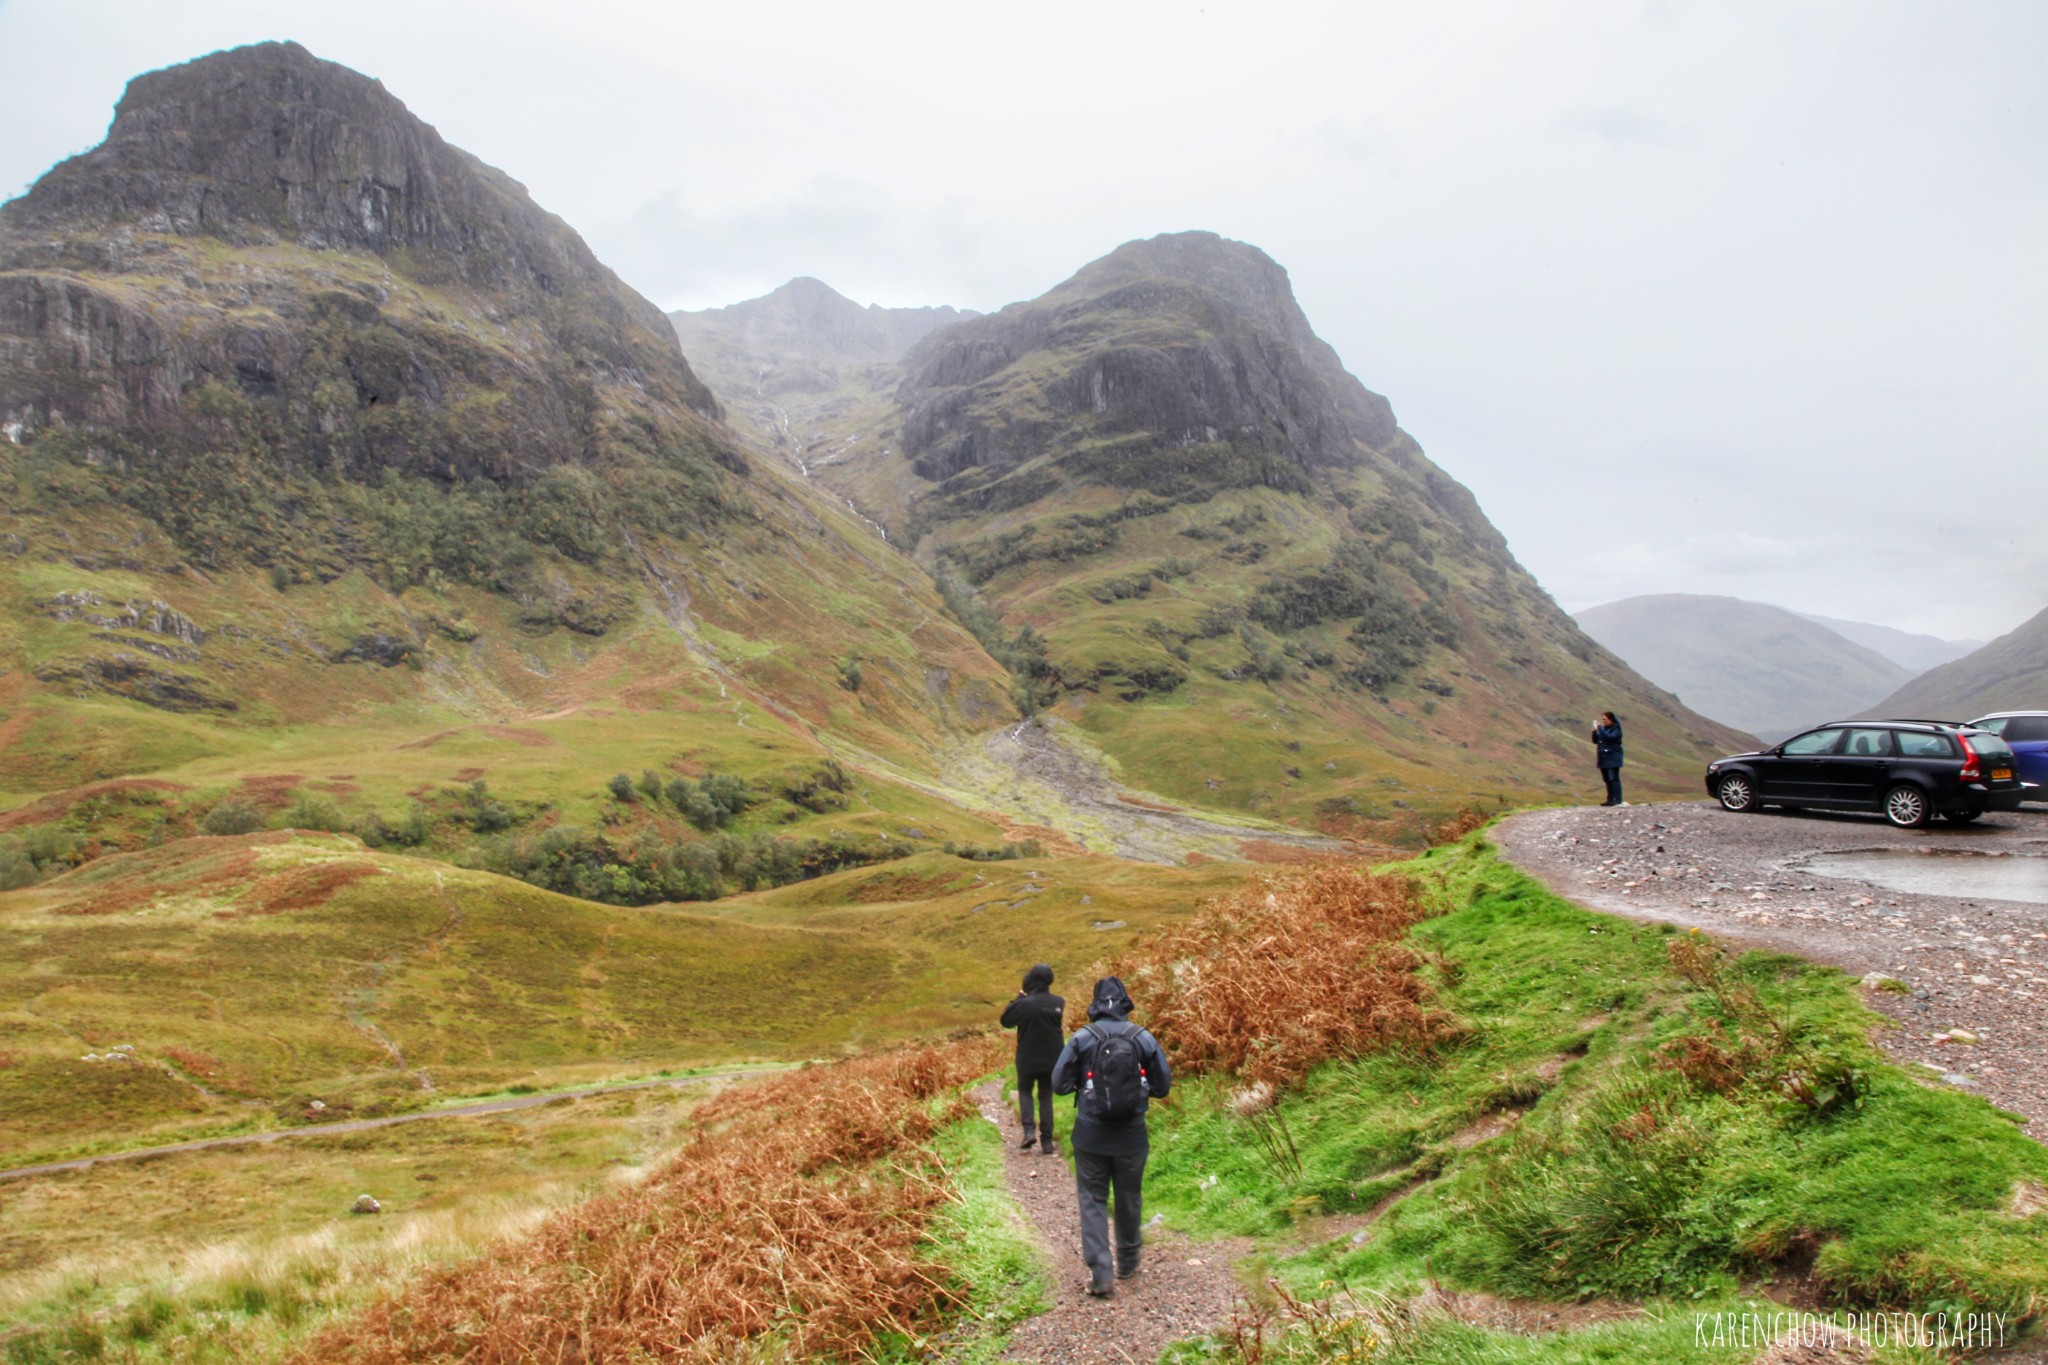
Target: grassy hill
(2009, 674)
(1159, 498)
(252, 975)
(338, 475)
(1756, 667)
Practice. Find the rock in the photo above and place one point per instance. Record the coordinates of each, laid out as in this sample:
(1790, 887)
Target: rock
(365, 1204)
(1957, 1035)
(1880, 981)
(1982, 981)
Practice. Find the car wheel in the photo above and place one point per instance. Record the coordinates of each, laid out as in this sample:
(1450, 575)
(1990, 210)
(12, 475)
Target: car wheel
(1906, 806)
(1735, 793)
(1963, 817)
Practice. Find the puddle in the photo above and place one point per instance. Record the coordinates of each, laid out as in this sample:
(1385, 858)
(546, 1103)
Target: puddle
(1974, 876)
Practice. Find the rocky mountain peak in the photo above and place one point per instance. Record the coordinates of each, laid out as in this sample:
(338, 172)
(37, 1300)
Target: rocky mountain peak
(808, 320)
(270, 143)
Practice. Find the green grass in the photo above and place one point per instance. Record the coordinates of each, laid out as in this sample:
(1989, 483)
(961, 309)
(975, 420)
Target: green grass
(234, 1254)
(985, 1238)
(1620, 1180)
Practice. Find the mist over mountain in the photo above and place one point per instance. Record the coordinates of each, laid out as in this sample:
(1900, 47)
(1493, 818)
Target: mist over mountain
(1757, 667)
(1914, 652)
(1221, 554)
(2008, 674)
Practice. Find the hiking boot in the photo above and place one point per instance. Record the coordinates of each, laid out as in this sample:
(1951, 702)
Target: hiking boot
(1126, 1272)
(1028, 1143)
(1101, 1291)
(1050, 1148)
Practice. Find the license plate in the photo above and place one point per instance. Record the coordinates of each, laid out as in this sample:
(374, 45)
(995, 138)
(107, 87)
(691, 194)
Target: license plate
(2001, 774)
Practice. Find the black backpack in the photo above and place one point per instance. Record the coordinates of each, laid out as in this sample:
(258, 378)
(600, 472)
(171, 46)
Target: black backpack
(1116, 1087)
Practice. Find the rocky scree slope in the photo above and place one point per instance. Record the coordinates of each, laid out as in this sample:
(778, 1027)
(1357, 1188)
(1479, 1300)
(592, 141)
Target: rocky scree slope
(278, 362)
(1158, 495)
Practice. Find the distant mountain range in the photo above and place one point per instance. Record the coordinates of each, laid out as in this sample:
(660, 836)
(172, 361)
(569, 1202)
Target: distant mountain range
(2009, 674)
(1915, 653)
(1761, 668)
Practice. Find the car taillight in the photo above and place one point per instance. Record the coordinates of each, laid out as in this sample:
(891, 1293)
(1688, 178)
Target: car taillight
(1971, 772)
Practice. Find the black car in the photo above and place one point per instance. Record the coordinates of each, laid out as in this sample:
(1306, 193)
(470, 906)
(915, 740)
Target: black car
(1908, 770)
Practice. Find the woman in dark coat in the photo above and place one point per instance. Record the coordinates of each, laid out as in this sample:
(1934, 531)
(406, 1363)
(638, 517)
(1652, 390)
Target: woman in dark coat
(1607, 743)
(1039, 1017)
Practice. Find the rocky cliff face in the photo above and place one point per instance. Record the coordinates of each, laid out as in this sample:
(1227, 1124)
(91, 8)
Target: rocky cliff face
(283, 228)
(1158, 495)
(1186, 341)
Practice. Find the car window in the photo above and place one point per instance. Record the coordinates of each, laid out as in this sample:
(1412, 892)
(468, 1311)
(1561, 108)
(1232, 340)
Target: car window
(2025, 729)
(1996, 725)
(1868, 744)
(1916, 744)
(1991, 746)
(1813, 742)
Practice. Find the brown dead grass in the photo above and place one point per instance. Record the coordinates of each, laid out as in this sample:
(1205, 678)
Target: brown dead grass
(298, 888)
(271, 792)
(49, 809)
(794, 1217)
(1268, 982)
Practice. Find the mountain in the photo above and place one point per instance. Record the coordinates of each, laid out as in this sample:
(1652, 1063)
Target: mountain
(806, 371)
(1915, 653)
(1157, 494)
(1760, 668)
(324, 440)
(2009, 674)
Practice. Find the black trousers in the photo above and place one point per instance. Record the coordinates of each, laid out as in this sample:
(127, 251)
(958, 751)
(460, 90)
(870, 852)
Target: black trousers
(1612, 777)
(1041, 1082)
(1096, 1179)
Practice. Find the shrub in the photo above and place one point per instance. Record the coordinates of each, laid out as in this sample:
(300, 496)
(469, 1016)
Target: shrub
(621, 788)
(1268, 982)
(772, 1223)
(315, 812)
(232, 817)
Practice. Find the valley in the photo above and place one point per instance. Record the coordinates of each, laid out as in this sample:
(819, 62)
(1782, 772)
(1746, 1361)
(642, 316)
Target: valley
(587, 779)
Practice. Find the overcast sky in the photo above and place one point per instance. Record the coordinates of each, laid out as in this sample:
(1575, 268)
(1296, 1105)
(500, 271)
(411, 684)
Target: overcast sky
(1696, 297)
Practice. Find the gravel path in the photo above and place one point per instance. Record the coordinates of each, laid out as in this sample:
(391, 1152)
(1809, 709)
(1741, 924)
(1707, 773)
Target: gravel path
(1974, 962)
(1182, 1289)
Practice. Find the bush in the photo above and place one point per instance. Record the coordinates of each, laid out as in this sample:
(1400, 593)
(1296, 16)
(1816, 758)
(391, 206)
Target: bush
(232, 817)
(622, 789)
(486, 816)
(315, 812)
(1266, 983)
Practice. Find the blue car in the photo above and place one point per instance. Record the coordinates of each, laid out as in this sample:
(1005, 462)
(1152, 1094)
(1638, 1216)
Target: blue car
(2027, 733)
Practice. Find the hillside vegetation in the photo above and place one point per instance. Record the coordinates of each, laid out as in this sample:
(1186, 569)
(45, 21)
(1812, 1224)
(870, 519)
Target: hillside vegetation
(1160, 501)
(2009, 674)
(1759, 668)
(1564, 1106)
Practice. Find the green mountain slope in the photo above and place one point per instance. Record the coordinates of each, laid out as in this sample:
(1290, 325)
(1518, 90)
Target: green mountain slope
(322, 440)
(1238, 573)
(1757, 667)
(2009, 674)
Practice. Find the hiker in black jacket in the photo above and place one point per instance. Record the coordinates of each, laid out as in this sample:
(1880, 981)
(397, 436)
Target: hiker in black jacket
(1113, 1069)
(1039, 1017)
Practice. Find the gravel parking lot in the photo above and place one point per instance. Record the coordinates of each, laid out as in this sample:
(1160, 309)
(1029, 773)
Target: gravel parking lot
(1957, 913)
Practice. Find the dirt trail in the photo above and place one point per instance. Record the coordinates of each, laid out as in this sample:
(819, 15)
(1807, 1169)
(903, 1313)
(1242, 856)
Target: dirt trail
(1182, 1289)
(459, 1111)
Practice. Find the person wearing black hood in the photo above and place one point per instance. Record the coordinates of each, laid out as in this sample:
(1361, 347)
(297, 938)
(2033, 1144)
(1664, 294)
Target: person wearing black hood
(1113, 1069)
(1039, 1017)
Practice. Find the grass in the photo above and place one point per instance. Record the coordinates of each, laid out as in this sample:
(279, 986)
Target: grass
(1559, 1153)
(254, 975)
(984, 1238)
(233, 1254)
